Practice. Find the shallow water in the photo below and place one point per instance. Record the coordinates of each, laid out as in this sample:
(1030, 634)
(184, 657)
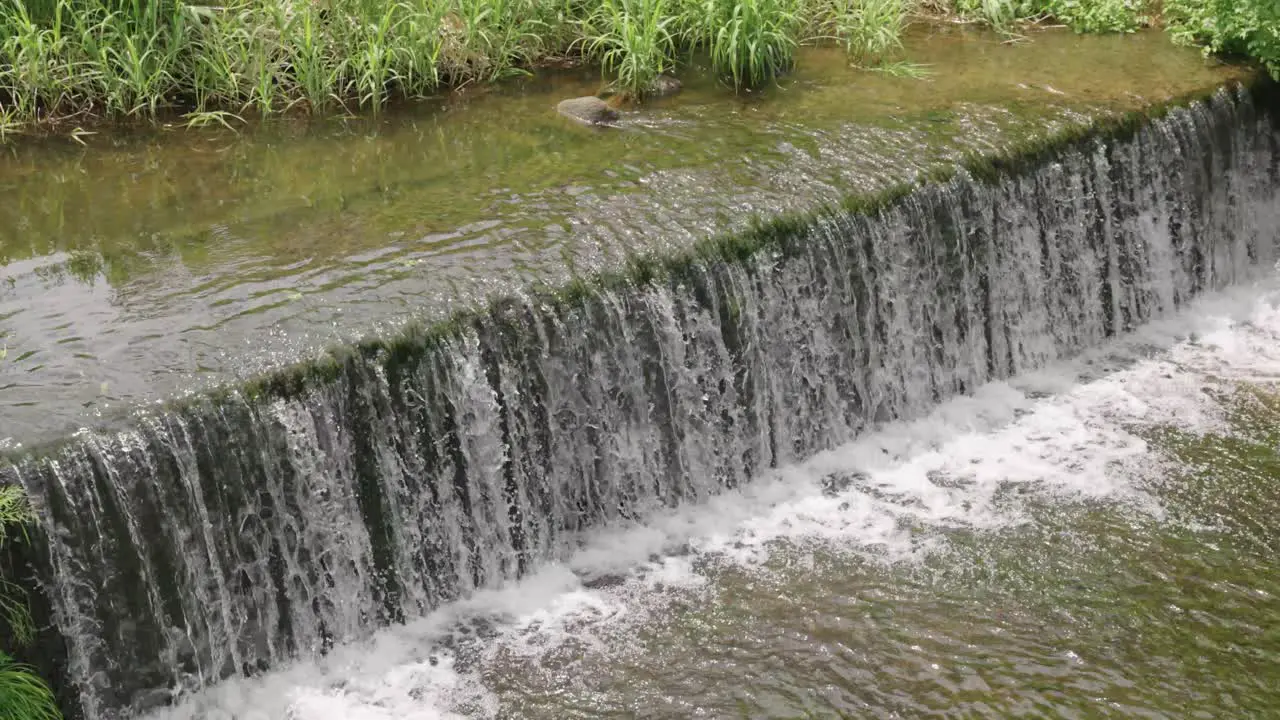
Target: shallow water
(1095, 540)
(153, 263)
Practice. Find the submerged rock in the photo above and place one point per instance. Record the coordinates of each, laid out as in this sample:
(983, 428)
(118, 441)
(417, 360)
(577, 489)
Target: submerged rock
(589, 110)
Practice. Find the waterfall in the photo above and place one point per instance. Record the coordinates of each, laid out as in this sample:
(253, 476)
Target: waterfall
(232, 532)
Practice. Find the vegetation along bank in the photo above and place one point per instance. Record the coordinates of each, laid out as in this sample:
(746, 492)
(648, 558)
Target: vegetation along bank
(23, 695)
(73, 62)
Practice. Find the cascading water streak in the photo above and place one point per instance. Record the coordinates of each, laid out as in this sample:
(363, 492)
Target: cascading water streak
(235, 532)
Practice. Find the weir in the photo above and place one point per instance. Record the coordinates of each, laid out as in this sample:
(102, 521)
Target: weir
(232, 532)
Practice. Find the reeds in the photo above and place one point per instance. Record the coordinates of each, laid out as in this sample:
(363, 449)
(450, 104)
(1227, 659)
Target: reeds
(756, 41)
(633, 40)
(99, 58)
(62, 60)
(868, 29)
(750, 41)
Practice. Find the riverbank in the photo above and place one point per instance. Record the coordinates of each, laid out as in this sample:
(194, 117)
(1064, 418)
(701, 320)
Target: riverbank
(69, 64)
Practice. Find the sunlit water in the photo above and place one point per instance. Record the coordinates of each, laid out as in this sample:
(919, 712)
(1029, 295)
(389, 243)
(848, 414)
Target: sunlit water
(1096, 540)
(153, 263)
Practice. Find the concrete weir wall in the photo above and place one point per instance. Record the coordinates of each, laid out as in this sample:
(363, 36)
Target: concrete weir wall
(233, 532)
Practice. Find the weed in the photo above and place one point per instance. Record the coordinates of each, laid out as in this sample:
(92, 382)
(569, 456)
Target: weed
(903, 69)
(1001, 15)
(1099, 16)
(205, 118)
(1233, 27)
(869, 29)
(23, 695)
(751, 41)
(633, 39)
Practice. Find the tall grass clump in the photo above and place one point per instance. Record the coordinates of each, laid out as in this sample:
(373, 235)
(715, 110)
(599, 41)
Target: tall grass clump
(868, 29)
(1001, 15)
(23, 695)
(61, 59)
(750, 41)
(14, 514)
(633, 40)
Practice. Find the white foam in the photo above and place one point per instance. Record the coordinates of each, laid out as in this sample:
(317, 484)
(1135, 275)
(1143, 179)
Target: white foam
(909, 485)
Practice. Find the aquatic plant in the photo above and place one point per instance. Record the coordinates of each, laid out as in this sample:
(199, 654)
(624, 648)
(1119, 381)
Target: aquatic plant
(902, 69)
(868, 29)
(23, 695)
(999, 14)
(750, 41)
(1099, 16)
(633, 40)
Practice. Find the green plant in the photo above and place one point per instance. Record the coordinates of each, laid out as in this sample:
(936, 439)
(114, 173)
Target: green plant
(15, 512)
(23, 695)
(869, 29)
(999, 14)
(9, 125)
(1099, 16)
(902, 69)
(375, 57)
(77, 60)
(1229, 27)
(633, 40)
(750, 41)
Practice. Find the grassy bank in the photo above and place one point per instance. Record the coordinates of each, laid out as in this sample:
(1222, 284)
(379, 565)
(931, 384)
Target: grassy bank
(72, 61)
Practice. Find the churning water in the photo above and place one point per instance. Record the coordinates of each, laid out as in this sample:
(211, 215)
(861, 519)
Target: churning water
(1038, 548)
(244, 533)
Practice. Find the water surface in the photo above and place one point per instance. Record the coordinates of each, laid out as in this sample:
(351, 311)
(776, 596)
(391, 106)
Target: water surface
(1096, 540)
(158, 262)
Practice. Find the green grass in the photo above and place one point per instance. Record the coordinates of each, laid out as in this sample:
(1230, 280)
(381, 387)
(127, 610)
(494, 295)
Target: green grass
(632, 39)
(14, 514)
(23, 695)
(77, 61)
(868, 29)
(750, 41)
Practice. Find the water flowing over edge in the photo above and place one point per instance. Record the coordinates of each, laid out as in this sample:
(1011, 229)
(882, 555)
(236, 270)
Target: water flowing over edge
(903, 498)
(234, 532)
